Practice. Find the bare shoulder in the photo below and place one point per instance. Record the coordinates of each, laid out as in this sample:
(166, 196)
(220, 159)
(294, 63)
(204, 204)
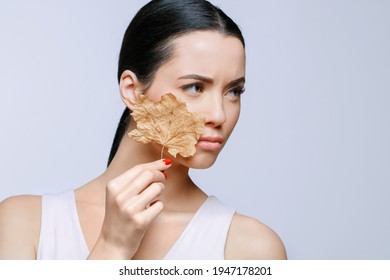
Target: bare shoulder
(251, 239)
(20, 218)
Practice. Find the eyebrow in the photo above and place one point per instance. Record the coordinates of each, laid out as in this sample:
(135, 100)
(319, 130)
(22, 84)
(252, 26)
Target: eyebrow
(236, 82)
(197, 77)
(210, 81)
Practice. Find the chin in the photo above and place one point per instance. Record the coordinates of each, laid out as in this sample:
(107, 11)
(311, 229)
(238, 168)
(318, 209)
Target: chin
(199, 161)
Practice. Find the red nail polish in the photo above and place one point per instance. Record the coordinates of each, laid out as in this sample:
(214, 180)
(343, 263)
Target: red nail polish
(167, 161)
(165, 175)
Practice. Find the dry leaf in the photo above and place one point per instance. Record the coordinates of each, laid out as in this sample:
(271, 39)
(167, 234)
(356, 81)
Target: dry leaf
(168, 123)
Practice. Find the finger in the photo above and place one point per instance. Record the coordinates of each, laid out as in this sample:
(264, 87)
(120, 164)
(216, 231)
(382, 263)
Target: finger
(160, 165)
(128, 193)
(149, 214)
(127, 177)
(145, 199)
(143, 182)
(154, 200)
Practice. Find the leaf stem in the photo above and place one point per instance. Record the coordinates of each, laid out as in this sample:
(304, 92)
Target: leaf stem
(162, 152)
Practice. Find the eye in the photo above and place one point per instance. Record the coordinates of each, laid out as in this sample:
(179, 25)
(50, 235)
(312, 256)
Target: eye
(193, 89)
(236, 92)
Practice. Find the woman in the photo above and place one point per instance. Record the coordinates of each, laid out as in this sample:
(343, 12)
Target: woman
(140, 207)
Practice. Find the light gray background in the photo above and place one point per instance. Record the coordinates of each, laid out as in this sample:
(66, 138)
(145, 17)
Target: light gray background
(310, 156)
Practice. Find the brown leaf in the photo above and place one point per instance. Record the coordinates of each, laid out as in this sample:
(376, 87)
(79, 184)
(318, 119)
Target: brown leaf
(168, 123)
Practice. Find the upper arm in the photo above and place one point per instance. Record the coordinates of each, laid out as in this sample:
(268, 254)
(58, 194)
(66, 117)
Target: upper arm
(19, 227)
(250, 239)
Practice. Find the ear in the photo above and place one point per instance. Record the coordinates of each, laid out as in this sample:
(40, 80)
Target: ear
(130, 88)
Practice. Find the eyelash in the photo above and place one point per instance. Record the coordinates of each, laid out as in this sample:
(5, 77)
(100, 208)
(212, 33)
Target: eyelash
(187, 87)
(238, 90)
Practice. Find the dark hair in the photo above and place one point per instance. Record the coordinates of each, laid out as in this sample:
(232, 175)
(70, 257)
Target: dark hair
(146, 43)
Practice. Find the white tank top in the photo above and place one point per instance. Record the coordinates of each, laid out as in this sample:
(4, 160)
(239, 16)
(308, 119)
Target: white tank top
(61, 236)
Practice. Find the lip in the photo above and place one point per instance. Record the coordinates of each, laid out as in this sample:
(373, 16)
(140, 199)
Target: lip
(210, 143)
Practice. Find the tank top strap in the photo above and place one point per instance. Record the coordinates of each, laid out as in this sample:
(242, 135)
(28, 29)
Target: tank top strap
(61, 236)
(205, 236)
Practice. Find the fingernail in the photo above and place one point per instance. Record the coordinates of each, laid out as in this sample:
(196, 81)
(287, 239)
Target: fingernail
(167, 161)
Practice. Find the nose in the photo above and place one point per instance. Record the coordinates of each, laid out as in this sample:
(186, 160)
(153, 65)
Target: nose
(215, 111)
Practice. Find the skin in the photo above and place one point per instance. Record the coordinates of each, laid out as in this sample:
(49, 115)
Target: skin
(124, 211)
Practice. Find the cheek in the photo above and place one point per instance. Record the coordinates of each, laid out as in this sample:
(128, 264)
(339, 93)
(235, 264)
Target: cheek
(154, 95)
(233, 113)
(194, 105)
(157, 89)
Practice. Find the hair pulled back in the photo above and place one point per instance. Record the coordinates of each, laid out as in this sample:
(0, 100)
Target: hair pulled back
(147, 42)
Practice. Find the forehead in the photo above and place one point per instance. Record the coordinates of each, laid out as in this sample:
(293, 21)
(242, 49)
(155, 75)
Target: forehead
(207, 53)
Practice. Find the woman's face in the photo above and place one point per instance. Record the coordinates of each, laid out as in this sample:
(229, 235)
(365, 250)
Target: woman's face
(207, 72)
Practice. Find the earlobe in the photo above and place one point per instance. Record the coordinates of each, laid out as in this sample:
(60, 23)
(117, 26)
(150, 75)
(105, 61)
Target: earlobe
(130, 88)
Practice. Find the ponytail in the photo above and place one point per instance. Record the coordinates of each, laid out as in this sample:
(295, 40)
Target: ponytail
(120, 132)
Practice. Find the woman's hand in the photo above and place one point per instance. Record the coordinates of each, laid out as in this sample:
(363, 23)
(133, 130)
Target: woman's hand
(131, 205)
